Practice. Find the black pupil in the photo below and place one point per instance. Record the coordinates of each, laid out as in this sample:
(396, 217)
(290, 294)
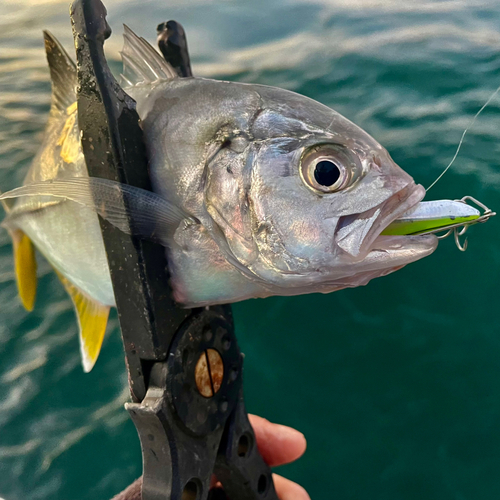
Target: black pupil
(326, 173)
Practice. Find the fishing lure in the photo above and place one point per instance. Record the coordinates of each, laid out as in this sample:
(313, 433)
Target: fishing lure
(440, 215)
(434, 217)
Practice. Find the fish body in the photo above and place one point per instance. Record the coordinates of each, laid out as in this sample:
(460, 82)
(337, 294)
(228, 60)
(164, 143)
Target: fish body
(258, 191)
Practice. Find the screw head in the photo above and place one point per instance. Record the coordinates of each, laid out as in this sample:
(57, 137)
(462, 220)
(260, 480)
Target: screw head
(209, 373)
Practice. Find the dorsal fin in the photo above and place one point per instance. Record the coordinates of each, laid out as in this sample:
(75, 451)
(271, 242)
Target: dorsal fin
(141, 63)
(62, 74)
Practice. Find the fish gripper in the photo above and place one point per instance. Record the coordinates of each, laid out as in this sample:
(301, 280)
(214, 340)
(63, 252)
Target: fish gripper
(184, 365)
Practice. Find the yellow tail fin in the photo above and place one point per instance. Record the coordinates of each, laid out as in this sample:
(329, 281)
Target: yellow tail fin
(92, 320)
(25, 268)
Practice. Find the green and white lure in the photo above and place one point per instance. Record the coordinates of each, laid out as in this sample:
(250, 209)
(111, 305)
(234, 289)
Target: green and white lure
(442, 215)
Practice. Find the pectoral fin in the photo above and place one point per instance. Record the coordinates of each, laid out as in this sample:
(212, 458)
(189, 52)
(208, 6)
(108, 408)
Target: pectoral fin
(25, 268)
(130, 209)
(92, 321)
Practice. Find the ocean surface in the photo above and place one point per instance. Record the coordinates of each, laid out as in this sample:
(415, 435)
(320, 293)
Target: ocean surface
(396, 385)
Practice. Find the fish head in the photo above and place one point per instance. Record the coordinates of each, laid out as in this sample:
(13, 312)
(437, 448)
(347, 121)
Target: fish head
(302, 197)
(289, 196)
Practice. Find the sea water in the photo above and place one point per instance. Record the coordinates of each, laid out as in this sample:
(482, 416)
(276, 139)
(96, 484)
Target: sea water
(396, 385)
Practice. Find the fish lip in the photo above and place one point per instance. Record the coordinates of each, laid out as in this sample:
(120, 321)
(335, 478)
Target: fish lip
(391, 253)
(419, 245)
(391, 209)
(416, 193)
(415, 246)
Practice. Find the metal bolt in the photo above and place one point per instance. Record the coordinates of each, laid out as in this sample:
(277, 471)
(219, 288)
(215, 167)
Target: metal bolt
(209, 373)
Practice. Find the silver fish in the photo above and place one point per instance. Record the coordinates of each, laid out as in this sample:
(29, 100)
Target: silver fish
(258, 191)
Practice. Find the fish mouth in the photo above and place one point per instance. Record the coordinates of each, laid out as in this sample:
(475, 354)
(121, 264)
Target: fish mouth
(410, 197)
(375, 254)
(398, 204)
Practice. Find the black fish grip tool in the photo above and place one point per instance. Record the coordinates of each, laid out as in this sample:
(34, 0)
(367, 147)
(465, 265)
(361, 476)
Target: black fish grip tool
(184, 365)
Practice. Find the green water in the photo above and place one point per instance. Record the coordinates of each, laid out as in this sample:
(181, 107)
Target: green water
(396, 385)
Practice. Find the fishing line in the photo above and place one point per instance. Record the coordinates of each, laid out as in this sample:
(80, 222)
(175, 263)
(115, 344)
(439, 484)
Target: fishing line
(463, 137)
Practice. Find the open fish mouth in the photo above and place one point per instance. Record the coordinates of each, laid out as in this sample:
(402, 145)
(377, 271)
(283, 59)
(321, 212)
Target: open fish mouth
(404, 229)
(359, 234)
(391, 249)
(399, 231)
(369, 253)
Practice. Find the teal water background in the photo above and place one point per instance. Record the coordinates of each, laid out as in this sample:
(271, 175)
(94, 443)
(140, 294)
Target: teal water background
(396, 385)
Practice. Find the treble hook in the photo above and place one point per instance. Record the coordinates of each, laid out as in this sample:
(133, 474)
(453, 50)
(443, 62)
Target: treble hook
(460, 230)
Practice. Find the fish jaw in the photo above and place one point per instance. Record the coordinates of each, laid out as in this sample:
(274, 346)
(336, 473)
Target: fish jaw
(380, 254)
(391, 253)
(355, 234)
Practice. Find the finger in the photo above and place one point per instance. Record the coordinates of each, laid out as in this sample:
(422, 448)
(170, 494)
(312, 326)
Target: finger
(278, 444)
(288, 490)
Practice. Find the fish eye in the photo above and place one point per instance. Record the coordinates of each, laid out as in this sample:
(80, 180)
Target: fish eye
(328, 168)
(326, 173)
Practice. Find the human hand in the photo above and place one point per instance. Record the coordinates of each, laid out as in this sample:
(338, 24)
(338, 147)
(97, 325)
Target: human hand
(280, 445)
